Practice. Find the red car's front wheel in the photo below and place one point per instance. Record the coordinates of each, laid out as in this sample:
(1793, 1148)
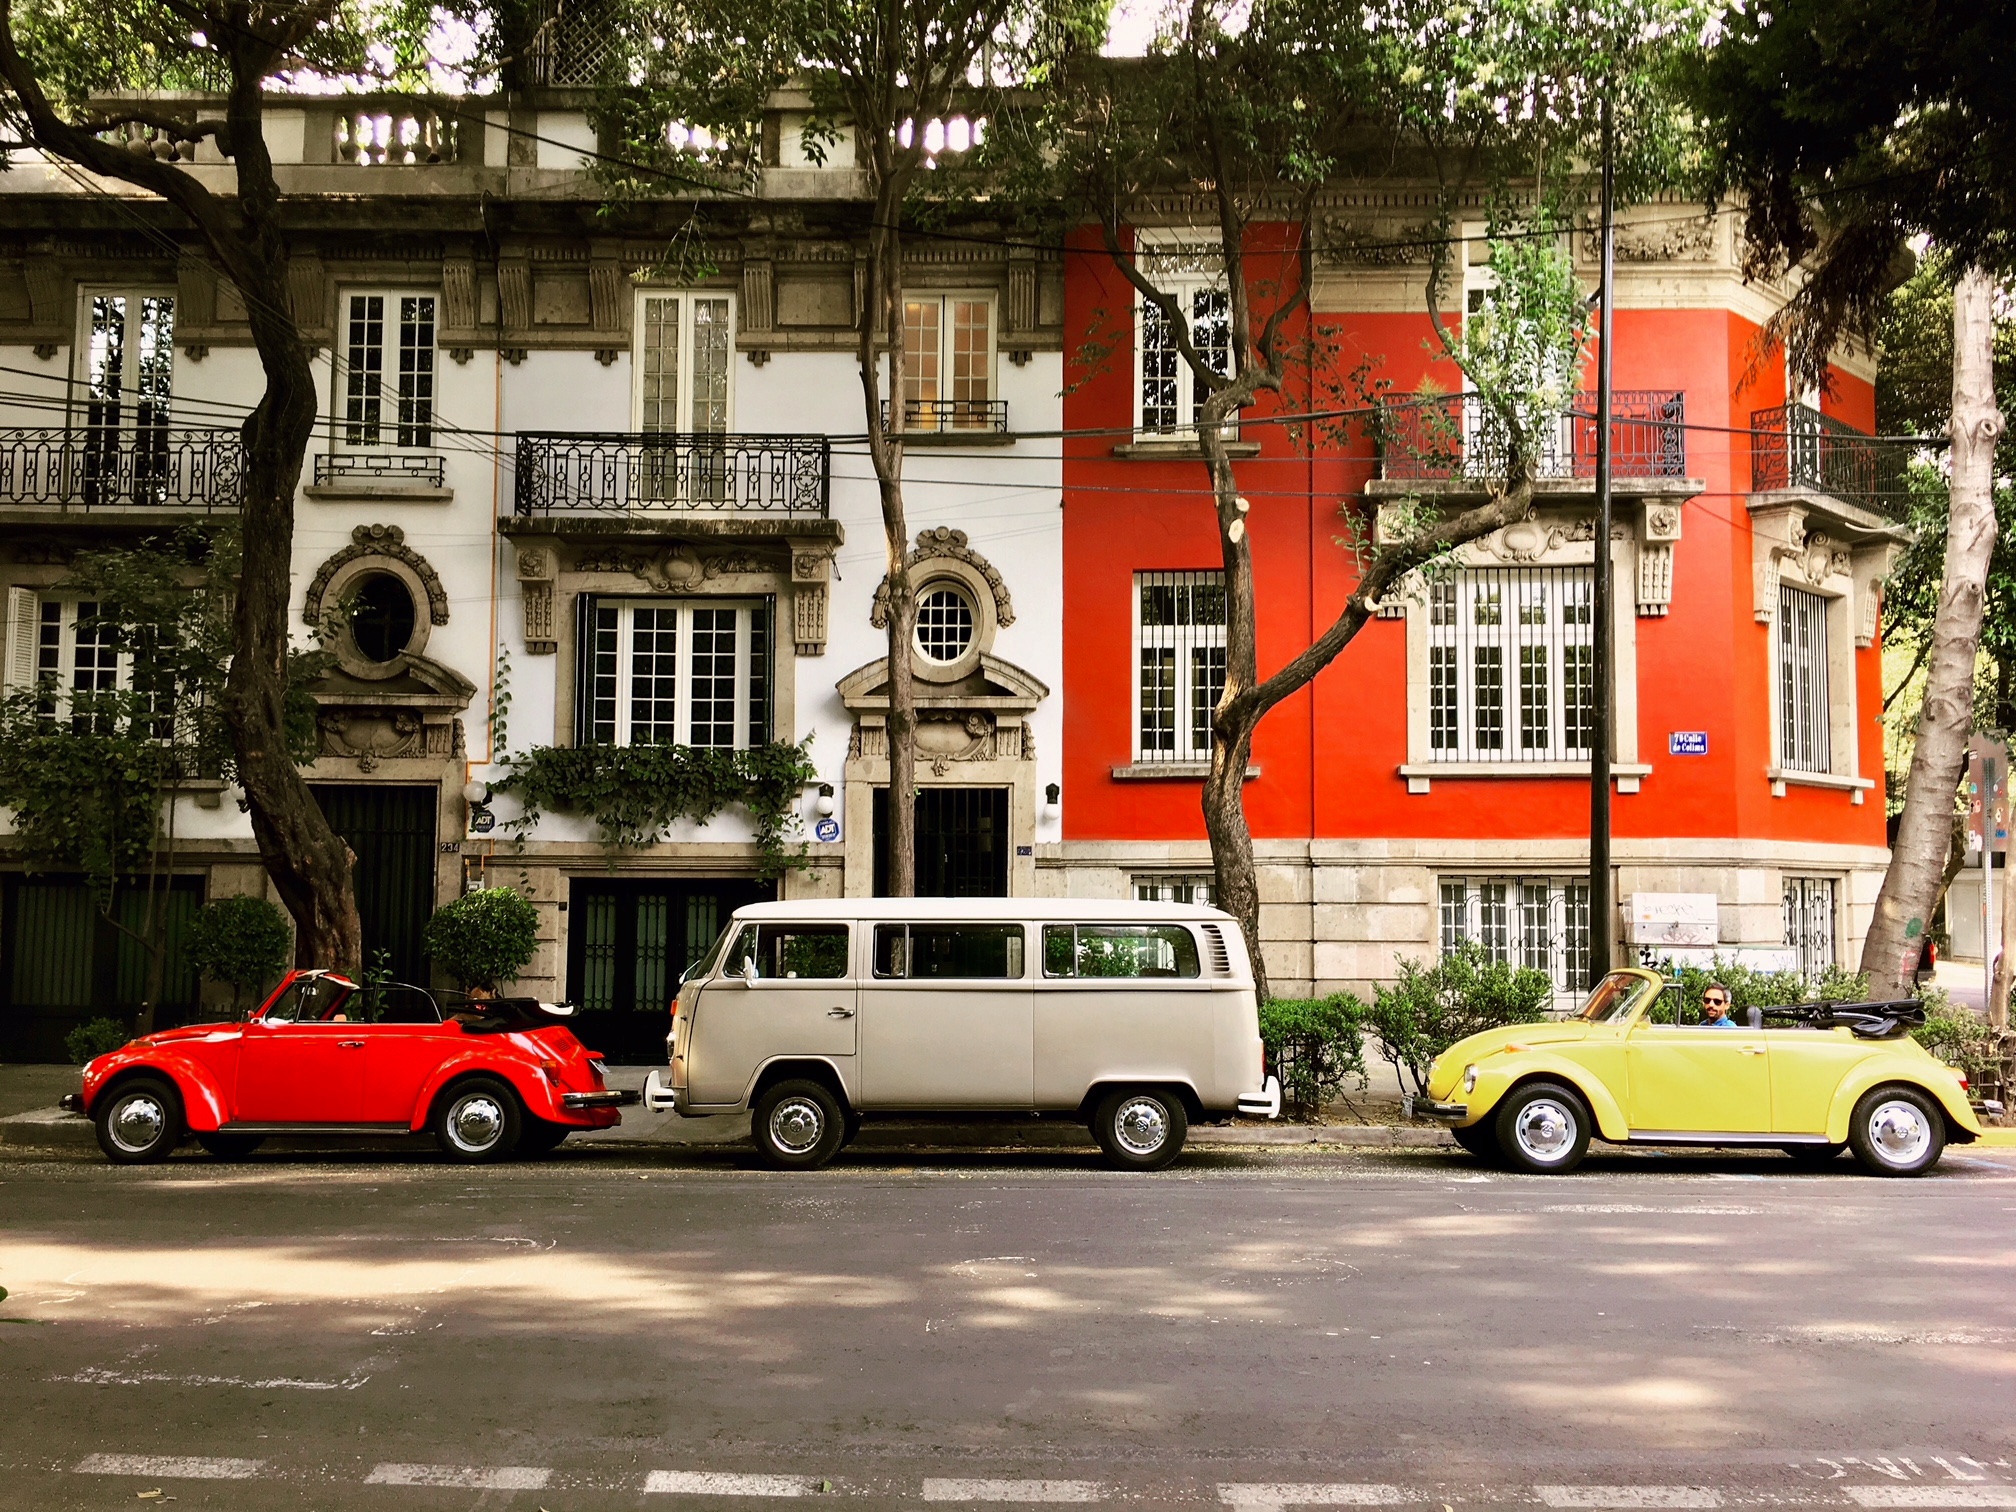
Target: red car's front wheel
(478, 1120)
(138, 1121)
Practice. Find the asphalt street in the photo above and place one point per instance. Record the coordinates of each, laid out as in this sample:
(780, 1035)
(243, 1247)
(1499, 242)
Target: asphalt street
(669, 1328)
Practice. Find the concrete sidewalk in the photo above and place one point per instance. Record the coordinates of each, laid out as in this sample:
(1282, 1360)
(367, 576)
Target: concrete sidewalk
(29, 1117)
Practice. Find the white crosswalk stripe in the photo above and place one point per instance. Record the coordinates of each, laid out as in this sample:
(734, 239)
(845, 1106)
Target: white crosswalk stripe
(1933, 1496)
(168, 1466)
(712, 1483)
(474, 1477)
(1607, 1497)
(1271, 1496)
(1012, 1490)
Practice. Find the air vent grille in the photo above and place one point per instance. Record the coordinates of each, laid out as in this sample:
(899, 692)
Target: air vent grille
(1214, 944)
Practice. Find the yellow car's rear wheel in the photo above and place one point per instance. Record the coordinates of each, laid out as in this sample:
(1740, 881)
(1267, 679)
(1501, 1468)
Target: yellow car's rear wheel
(1897, 1131)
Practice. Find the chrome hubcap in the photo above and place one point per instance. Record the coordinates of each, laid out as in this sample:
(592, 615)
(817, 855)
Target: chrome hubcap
(796, 1125)
(1545, 1130)
(137, 1122)
(477, 1122)
(1899, 1132)
(1141, 1127)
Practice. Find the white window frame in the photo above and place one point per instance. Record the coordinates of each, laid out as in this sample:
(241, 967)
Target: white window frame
(1802, 679)
(33, 653)
(1504, 914)
(1456, 626)
(945, 299)
(1182, 639)
(129, 397)
(624, 709)
(683, 400)
(346, 436)
(1184, 269)
(1174, 887)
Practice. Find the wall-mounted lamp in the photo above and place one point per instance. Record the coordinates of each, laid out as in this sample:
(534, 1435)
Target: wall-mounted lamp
(825, 803)
(1053, 795)
(476, 792)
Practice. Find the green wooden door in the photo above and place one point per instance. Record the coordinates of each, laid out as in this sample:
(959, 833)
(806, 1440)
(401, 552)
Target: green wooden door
(391, 830)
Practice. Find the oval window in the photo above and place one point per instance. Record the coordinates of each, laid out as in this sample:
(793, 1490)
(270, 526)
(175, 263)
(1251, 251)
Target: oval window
(381, 617)
(944, 624)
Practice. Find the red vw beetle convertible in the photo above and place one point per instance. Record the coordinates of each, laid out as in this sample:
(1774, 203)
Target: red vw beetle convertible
(323, 1056)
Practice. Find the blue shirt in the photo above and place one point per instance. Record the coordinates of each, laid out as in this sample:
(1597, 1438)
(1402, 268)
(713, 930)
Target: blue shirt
(1724, 1022)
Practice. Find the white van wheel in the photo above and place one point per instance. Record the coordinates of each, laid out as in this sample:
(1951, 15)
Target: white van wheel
(798, 1126)
(1141, 1130)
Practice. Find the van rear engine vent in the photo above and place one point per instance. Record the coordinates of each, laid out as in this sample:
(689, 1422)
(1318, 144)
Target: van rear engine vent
(1214, 942)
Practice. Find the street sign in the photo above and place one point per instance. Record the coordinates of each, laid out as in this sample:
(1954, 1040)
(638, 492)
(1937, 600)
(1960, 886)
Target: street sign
(1687, 743)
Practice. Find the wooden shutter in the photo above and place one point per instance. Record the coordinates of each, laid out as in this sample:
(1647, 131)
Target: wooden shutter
(24, 619)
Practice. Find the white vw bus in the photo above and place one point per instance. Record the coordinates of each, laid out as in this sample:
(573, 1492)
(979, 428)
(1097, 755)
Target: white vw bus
(1136, 1018)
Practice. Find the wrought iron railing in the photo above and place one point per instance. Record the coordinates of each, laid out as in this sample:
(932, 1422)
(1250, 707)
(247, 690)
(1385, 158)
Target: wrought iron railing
(560, 472)
(415, 469)
(934, 416)
(103, 467)
(1458, 437)
(1795, 446)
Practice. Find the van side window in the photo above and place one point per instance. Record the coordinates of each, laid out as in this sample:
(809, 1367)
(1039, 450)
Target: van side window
(985, 952)
(1118, 950)
(790, 951)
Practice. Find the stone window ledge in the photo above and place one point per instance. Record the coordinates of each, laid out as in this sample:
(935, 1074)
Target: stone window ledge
(1783, 778)
(931, 440)
(1172, 771)
(1171, 450)
(1626, 774)
(353, 490)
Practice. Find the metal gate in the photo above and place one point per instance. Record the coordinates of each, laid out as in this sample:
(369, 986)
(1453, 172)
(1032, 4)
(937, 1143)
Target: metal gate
(627, 943)
(962, 842)
(391, 831)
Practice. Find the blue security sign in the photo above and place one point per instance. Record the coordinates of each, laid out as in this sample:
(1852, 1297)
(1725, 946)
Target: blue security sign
(827, 830)
(1687, 743)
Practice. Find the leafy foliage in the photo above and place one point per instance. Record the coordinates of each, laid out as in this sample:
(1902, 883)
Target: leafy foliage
(484, 937)
(1752, 988)
(1316, 1045)
(240, 941)
(1432, 1006)
(1961, 1037)
(635, 793)
(95, 1037)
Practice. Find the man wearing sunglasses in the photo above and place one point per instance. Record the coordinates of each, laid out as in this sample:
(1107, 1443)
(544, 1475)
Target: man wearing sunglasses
(1715, 1007)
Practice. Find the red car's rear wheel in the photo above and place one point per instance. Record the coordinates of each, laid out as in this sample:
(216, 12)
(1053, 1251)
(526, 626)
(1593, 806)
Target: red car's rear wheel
(478, 1120)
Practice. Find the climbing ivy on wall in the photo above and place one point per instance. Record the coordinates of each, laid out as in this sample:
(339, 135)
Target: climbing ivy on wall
(635, 793)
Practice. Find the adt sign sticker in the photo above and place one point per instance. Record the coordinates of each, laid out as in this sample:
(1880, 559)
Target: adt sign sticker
(1687, 743)
(827, 830)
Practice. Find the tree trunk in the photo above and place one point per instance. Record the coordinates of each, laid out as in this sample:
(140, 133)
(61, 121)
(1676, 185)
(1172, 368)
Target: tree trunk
(885, 448)
(1910, 886)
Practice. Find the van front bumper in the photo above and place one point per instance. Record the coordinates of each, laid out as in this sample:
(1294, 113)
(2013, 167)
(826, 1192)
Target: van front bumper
(1266, 1103)
(660, 1097)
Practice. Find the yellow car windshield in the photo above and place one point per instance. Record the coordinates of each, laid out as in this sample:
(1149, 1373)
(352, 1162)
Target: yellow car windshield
(1614, 998)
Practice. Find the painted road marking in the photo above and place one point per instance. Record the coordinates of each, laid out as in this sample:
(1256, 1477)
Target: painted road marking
(1628, 1496)
(1271, 1497)
(1933, 1496)
(168, 1466)
(709, 1483)
(1013, 1490)
(474, 1477)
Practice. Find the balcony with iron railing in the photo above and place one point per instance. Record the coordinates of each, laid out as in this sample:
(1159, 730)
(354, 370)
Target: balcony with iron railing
(952, 417)
(651, 473)
(1457, 438)
(168, 467)
(1793, 447)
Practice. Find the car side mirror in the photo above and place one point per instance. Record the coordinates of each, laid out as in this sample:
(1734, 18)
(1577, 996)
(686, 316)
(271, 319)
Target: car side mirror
(749, 977)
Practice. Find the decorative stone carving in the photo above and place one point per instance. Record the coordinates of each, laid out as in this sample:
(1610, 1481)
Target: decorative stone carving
(514, 293)
(1525, 542)
(377, 541)
(535, 587)
(1366, 242)
(676, 568)
(1655, 579)
(370, 736)
(945, 543)
(608, 294)
(1661, 522)
(759, 294)
(306, 289)
(1663, 240)
(458, 294)
(809, 573)
(1023, 301)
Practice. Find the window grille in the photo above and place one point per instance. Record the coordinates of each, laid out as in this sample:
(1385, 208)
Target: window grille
(1170, 394)
(1179, 638)
(944, 624)
(1174, 887)
(1804, 739)
(1809, 922)
(1511, 665)
(395, 330)
(1541, 922)
(675, 672)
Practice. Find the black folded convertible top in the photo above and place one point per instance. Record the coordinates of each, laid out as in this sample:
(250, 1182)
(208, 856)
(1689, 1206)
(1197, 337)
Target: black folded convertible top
(1870, 1020)
(509, 1015)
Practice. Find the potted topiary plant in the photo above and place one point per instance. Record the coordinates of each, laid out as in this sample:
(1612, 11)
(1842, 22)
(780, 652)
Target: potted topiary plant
(243, 942)
(484, 938)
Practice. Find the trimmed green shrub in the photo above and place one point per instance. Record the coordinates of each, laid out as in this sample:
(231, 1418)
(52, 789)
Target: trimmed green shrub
(243, 942)
(1433, 1005)
(1961, 1037)
(101, 1036)
(1316, 1045)
(484, 938)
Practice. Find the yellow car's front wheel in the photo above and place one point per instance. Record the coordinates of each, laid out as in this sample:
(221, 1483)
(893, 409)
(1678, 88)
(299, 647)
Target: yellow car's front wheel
(1543, 1127)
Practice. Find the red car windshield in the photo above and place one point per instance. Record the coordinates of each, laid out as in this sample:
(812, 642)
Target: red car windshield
(310, 999)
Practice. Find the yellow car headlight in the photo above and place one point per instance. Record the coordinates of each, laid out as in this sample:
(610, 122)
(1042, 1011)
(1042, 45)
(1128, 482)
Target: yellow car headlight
(1469, 1080)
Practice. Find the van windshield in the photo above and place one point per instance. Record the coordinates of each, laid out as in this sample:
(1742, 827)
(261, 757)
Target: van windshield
(1118, 950)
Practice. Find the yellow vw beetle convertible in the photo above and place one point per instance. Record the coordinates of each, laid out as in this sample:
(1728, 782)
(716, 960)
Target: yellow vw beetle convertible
(1810, 1079)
